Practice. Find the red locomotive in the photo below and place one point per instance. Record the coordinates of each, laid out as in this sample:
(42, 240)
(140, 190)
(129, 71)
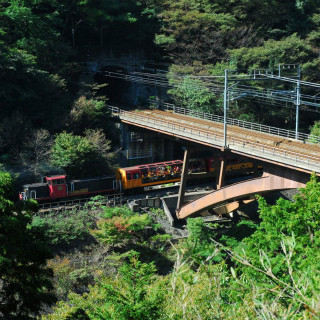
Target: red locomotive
(57, 187)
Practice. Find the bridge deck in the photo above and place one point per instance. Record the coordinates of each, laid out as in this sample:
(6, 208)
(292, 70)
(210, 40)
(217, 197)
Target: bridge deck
(267, 147)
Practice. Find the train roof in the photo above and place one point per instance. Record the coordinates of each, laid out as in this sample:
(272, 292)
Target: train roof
(35, 185)
(60, 176)
(92, 179)
(150, 165)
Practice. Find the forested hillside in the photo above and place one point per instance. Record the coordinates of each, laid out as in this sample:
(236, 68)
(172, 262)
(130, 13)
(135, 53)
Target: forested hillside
(111, 263)
(45, 46)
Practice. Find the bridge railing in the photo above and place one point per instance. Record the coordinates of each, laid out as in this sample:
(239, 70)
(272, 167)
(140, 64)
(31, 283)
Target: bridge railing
(276, 153)
(114, 110)
(243, 124)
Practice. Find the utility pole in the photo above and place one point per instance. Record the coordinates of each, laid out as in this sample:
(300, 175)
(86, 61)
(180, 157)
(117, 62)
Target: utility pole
(225, 107)
(298, 104)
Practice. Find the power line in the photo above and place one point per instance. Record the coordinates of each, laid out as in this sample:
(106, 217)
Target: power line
(239, 92)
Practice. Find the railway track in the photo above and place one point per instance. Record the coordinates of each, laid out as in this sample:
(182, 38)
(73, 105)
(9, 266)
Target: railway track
(147, 197)
(90, 203)
(250, 136)
(105, 200)
(237, 132)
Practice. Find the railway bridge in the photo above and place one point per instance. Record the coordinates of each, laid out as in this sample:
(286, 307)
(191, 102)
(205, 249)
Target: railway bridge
(287, 158)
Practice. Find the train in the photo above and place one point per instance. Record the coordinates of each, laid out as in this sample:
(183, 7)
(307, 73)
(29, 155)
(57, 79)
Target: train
(140, 177)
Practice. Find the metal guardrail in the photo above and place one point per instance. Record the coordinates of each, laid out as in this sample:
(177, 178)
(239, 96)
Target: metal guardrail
(114, 110)
(243, 124)
(290, 134)
(273, 153)
(109, 200)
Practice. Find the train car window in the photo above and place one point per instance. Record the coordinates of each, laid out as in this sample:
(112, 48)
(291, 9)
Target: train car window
(212, 164)
(168, 167)
(129, 176)
(57, 181)
(153, 170)
(136, 175)
(160, 168)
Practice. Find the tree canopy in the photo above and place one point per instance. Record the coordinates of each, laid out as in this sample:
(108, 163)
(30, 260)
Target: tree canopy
(25, 280)
(248, 271)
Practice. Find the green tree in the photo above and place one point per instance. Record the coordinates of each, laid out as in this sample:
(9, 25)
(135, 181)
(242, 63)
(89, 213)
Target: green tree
(88, 113)
(193, 30)
(72, 153)
(31, 56)
(292, 49)
(288, 229)
(192, 93)
(132, 298)
(82, 156)
(103, 14)
(132, 295)
(198, 232)
(121, 224)
(25, 281)
(198, 247)
(315, 132)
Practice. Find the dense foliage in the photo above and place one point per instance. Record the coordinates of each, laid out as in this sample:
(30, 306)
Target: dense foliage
(202, 38)
(25, 281)
(45, 46)
(54, 118)
(39, 73)
(268, 272)
(315, 132)
(64, 227)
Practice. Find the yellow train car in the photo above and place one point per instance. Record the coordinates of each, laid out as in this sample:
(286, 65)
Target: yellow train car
(234, 166)
(149, 175)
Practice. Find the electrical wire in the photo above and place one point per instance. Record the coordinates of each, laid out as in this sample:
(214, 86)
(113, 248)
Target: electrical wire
(241, 91)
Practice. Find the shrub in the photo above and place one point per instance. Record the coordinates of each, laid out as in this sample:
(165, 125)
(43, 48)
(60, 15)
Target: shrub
(114, 230)
(121, 223)
(68, 278)
(66, 226)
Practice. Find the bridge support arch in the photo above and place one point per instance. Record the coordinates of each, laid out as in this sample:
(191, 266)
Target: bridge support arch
(274, 178)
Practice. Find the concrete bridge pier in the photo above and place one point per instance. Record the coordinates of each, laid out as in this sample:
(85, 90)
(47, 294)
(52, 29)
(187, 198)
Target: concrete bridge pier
(124, 136)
